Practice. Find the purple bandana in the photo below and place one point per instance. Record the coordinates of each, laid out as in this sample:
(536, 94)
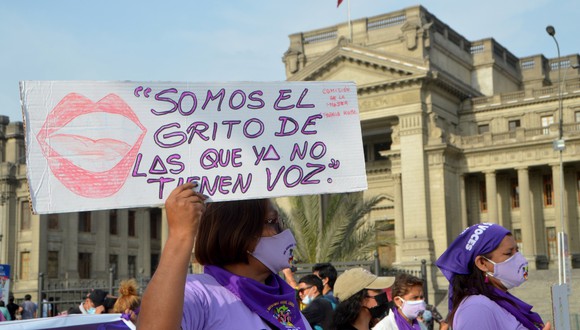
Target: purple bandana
(402, 323)
(521, 310)
(275, 302)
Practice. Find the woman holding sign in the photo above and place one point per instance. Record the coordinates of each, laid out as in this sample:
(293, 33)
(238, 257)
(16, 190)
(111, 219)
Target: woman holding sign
(482, 264)
(242, 247)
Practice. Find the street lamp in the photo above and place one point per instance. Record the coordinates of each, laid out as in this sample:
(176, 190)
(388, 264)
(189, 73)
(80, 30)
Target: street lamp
(559, 145)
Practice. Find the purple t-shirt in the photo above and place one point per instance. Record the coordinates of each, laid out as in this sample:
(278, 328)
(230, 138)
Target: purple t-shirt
(208, 305)
(478, 312)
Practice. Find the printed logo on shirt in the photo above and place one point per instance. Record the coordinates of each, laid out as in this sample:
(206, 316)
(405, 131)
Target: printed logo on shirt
(282, 314)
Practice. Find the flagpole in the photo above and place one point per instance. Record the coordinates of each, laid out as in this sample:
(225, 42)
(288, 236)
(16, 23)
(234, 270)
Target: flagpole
(349, 24)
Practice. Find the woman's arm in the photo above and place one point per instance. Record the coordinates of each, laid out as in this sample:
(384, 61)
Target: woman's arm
(162, 304)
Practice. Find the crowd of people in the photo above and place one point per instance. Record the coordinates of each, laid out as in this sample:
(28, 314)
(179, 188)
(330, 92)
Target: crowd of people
(244, 247)
(97, 301)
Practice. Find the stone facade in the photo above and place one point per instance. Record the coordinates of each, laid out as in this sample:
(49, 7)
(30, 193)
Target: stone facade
(70, 249)
(455, 132)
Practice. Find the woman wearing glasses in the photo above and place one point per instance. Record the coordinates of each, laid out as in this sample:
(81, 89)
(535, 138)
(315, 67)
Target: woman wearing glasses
(242, 248)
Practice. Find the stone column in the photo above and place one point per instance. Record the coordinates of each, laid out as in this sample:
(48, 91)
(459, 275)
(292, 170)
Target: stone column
(526, 220)
(491, 196)
(463, 201)
(399, 230)
(144, 255)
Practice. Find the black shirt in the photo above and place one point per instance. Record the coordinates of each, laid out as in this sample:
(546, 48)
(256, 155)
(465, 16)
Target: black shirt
(319, 312)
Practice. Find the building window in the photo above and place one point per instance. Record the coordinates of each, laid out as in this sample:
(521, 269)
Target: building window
(85, 222)
(154, 262)
(24, 265)
(131, 228)
(25, 215)
(381, 146)
(113, 222)
(155, 223)
(483, 129)
(515, 194)
(552, 243)
(578, 186)
(482, 197)
(518, 239)
(132, 260)
(114, 264)
(548, 190)
(84, 265)
(513, 124)
(546, 122)
(52, 265)
(577, 116)
(53, 221)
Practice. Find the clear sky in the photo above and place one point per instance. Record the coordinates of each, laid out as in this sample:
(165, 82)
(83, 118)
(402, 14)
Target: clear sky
(237, 40)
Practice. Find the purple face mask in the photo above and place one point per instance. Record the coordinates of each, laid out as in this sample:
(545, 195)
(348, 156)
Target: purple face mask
(411, 309)
(512, 272)
(275, 252)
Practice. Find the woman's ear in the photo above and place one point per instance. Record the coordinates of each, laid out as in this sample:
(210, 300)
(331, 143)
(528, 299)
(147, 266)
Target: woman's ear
(481, 263)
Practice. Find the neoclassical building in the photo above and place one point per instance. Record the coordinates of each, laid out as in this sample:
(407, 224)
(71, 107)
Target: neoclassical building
(71, 249)
(455, 132)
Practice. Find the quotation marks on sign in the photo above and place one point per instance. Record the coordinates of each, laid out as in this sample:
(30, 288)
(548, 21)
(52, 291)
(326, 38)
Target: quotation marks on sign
(140, 89)
(334, 164)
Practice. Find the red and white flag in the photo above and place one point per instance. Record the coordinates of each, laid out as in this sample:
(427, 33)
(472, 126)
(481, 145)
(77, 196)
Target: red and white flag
(338, 4)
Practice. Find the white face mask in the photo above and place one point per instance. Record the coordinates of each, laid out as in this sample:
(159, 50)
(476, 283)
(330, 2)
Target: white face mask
(306, 300)
(275, 252)
(512, 272)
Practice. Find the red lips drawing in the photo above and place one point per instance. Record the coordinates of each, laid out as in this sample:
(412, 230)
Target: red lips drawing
(90, 147)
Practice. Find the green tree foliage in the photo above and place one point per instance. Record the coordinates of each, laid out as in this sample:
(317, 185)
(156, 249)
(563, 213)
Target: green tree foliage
(340, 230)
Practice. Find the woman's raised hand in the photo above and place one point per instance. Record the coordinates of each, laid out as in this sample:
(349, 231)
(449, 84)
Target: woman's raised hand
(184, 208)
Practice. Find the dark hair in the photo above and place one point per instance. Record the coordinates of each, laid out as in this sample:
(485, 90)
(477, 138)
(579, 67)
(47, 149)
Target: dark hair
(326, 270)
(1, 303)
(403, 284)
(11, 299)
(227, 230)
(27, 297)
(108, 303)
(313, 280)
(347, 311)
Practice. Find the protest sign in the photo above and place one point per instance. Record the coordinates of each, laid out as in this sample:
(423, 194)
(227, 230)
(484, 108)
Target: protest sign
(105, 145)
(72, 322)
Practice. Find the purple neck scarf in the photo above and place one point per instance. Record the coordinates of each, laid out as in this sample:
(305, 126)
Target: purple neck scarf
(275, 301)
(521, 311)
(402, 323)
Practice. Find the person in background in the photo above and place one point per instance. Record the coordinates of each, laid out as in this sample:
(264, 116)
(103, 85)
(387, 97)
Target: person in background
(129, 300)
(46, 306)
(318, 310)
(362, 299)
(12, 308)
(94, 299)
(28, 308)
(327, 273)
(482, 264)
(408, 303)
(5, 311)
(242, 247)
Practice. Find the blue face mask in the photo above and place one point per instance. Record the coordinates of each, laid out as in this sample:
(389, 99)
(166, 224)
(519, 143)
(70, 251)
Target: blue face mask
(92, 310)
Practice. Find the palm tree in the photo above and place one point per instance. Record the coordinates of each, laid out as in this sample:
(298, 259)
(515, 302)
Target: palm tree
(337, 229)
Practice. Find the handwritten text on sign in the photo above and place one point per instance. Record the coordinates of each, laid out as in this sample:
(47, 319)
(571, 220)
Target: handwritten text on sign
(102, 145)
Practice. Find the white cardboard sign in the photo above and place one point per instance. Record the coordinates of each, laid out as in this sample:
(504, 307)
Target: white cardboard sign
(107, 145)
